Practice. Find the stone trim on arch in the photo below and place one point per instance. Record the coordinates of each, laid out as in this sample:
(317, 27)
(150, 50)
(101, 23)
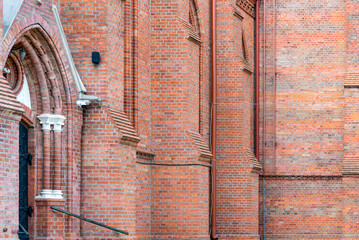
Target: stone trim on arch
(80, 86)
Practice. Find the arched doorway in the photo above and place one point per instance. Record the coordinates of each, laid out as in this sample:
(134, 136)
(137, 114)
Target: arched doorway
(37, 77)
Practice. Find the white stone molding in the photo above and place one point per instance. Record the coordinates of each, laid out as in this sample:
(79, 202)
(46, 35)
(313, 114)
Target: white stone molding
(84, 99)
(46, 120)
(79, 84)
(57, 194)
(50, 194)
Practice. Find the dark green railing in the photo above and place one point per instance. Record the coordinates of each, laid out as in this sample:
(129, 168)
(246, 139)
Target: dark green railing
(56, 209)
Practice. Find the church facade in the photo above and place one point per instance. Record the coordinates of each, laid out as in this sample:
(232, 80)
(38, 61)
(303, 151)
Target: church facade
(179, 119)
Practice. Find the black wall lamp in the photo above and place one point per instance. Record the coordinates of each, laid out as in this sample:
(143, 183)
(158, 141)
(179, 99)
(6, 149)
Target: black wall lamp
(96, 58)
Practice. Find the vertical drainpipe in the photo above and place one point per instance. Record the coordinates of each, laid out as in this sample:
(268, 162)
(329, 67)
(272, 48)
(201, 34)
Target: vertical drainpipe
(257, 81)
(214, 118)
(257, 104)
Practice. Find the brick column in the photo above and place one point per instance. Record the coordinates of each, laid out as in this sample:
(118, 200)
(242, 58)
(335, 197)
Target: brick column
(57, 162)
(51, 122)
(50, 225)
(46, 188)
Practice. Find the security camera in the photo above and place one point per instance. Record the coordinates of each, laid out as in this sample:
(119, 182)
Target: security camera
(83, 103)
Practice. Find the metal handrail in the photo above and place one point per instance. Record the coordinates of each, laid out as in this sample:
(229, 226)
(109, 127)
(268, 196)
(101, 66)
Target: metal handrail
(56, 209)
(24, 230)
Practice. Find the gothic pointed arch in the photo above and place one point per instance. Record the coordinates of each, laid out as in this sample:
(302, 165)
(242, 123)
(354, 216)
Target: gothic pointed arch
(38, 81)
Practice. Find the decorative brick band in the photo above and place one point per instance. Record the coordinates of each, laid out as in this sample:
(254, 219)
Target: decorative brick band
(145, 155)
(351, 165)
(246, 66)
(192, 32)
(256, 166)
(7, 98)
(302, 177)
(351, 79)
(237, 13)
(124, 125)
(247, 6)
(28, 116)
(200, 144)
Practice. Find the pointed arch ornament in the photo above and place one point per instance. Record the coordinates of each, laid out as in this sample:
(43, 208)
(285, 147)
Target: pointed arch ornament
(48, 98)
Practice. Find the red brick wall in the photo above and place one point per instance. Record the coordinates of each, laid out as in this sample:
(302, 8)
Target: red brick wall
(237, 185)
(143, 200)
(350, 208)
(49, 225)
(9, 176)
(204, 16)
(307, 88)
(180, 202)
(30, 16)
(115, 48)
(350, 164)
(151, 69)
(194, 84)
(92, 26)
(180, 195)
(1, 33)
(154, 72)
(303, 209)
(138, 103)
(303, 66)
(351, 12)
(141, 74)
(108, 177)
(160, 77)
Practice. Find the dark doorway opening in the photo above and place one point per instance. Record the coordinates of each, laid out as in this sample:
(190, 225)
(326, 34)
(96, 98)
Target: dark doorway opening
(24, 159)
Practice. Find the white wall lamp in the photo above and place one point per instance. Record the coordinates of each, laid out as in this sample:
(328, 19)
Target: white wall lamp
(6, 70)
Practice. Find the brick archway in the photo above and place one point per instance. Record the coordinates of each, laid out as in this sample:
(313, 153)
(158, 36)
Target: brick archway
(50, 117)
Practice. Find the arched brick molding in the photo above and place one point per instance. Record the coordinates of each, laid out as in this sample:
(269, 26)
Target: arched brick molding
(53, 92)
